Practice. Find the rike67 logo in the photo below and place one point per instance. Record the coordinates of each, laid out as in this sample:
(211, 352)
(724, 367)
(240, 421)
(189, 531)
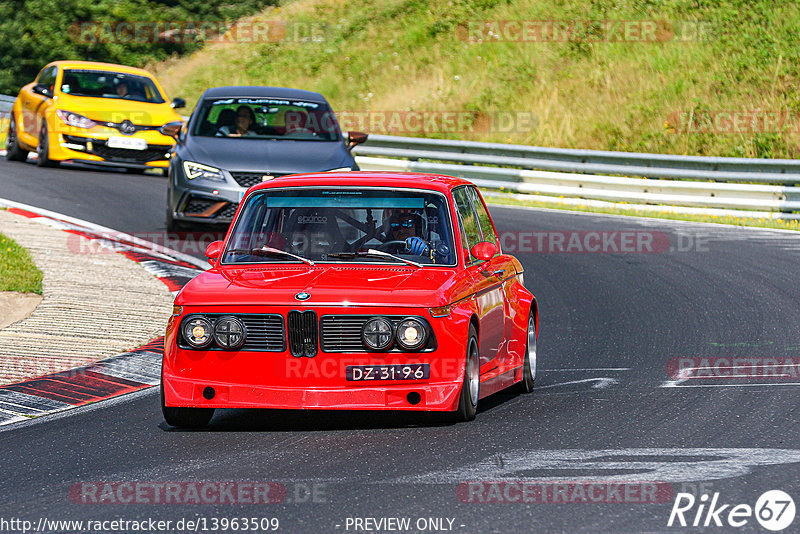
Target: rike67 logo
(774, 510)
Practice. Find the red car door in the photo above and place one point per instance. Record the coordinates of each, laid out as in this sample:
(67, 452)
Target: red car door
(488, 285)
(501, 270)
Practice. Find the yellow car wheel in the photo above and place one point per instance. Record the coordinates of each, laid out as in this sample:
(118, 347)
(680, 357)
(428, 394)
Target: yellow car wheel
(13, 150)
(43, 149)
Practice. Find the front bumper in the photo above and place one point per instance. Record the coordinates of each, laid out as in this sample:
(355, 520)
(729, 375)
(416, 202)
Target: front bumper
(93, 149)
(433, 397)
(276, 379)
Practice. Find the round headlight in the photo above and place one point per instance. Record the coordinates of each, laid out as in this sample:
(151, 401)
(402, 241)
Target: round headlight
(411, 334)
(197, 332)
(229, 333)
(377, 333)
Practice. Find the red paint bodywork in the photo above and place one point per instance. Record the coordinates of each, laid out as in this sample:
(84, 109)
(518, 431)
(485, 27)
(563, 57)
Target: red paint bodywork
(244, 379)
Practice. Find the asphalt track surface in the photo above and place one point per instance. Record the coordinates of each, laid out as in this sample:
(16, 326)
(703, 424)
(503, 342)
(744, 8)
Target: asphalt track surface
(605, 407)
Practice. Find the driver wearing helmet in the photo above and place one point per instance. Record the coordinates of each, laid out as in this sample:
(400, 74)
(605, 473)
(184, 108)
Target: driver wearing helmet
(407, 227)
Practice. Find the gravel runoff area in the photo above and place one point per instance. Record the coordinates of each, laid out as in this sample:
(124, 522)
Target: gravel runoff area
(96, 303)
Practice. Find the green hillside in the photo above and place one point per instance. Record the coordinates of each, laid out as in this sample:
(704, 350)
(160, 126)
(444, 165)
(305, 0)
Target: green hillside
(690, 90)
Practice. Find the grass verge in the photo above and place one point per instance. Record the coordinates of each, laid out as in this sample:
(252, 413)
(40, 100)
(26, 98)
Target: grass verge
(17, 270)
(3, 132)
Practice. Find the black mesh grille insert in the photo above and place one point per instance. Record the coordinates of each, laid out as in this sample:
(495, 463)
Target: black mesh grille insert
(301, 328)
(247, 179)
(151, 153)
(228, 211)
(197, 205)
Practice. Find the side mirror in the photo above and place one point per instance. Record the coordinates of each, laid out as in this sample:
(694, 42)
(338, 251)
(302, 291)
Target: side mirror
(355, 138)
(42, 90)
(213, 251)
(178, 103)
(484, 251)
(172, 129)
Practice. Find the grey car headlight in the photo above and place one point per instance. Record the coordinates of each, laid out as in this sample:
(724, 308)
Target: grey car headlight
(194, 170)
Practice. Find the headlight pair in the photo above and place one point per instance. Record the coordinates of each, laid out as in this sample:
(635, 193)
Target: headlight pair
(378, 334)
(227, 332)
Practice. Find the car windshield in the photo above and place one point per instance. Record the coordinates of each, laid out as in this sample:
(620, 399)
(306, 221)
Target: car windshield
(102, 84)
(342, 225)
(266, 118)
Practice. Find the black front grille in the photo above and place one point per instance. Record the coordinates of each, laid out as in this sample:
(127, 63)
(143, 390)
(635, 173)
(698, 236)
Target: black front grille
(228, 211)
(151, 153)
(301, 327)
(197, 205)
(342, 333)
(248, 179)
(264, 332)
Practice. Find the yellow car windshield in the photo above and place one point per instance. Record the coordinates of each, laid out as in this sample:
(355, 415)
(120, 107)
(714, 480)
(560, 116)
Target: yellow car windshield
(102, 84)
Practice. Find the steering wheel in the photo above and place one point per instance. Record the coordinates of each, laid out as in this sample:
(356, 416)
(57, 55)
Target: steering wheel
(397, 244)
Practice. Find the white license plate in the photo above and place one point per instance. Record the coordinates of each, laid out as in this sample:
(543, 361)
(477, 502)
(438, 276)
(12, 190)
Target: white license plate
(131, 143)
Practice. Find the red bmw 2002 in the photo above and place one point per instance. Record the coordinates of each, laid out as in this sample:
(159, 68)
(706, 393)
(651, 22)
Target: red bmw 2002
(357, 290)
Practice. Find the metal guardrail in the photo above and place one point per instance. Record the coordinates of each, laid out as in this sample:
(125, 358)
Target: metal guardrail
(6, 102)
(659, 179)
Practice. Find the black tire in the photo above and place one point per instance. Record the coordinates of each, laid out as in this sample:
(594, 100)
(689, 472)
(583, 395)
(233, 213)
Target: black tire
(13, 150)
(43, 149)
(185, 417)
(468, 400)
(528, 367)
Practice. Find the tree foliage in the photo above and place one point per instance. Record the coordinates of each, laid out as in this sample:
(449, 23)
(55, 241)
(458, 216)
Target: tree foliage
(35, 32)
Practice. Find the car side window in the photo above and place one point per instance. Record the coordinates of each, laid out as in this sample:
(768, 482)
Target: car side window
(467, 217)
(47, 79)
(484, 220)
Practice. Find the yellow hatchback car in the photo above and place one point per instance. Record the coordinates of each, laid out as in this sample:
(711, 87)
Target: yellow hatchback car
(99, 113)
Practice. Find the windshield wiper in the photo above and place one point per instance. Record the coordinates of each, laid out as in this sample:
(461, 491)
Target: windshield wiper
(375, 254)
(269, 251)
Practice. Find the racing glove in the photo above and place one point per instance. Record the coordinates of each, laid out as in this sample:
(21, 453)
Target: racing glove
(417, 246)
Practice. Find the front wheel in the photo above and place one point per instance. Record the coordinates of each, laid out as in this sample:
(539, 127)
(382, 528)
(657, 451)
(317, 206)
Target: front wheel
(43, 149)
(470, 389)
(185, 417)
(13, 151)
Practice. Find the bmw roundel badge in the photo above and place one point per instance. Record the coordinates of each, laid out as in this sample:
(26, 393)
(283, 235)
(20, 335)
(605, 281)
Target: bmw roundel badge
(302, 296)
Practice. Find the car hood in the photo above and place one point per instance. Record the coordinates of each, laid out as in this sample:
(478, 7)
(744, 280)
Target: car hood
(266, 155)
(344, 285)
(114, 110)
